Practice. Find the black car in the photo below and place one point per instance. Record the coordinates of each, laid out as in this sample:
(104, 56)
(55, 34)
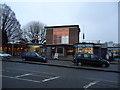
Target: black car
(91, 59)
(33, 56)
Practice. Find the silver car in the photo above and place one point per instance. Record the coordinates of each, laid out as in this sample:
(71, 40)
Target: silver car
(4, 56)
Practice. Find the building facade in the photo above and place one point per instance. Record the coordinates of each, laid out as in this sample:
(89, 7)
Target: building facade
(68, 34)
(61, 40)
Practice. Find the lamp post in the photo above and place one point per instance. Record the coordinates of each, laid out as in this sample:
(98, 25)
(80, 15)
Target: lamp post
(12, 48)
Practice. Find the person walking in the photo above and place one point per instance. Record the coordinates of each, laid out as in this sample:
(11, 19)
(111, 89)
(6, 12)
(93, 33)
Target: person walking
(112, 56)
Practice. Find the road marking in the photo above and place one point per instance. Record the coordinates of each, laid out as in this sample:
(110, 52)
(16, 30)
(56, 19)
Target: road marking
(52, 78)
(23, 75)
(90, 84)
(21, 79)
(103, 80)
(45, 80)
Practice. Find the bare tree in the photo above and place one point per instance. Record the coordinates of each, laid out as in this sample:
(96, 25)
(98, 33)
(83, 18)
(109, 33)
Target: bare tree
(9, 25)
(34, 32)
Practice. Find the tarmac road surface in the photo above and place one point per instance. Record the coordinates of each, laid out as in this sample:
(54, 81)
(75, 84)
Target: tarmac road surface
(23, 75)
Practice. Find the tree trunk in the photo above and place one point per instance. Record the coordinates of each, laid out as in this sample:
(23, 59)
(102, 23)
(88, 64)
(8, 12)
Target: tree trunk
(4, 37)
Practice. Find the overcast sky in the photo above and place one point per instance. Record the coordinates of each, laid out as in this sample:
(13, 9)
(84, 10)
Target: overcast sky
(98, 20)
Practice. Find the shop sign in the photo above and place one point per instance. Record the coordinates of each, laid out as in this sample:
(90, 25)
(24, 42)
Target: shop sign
(84, 46)
(113, 48)
(35, 45)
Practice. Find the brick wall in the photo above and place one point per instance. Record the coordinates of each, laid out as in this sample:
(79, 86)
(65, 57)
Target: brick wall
(49, 36)
(73, 35)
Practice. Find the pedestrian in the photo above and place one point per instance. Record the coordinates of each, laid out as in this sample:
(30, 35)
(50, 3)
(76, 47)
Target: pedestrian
(52, 54)
(112, 56)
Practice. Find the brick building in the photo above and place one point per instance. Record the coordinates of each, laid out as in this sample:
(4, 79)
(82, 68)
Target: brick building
(68, 34)
(60, 39)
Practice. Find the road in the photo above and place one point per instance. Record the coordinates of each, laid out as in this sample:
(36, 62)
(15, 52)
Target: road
(23, 75)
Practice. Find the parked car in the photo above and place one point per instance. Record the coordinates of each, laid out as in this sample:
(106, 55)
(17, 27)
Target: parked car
(33, 56)
(91, 59)
(4, 56)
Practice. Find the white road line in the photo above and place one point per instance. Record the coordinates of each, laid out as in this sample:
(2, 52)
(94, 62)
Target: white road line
(52, 78)
(23, 75)
(21, 79)
(102, 80)
(90, 84)
(45, 80)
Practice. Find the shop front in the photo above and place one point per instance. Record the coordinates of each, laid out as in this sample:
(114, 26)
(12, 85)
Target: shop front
(84, 48)
(14, 49)
(35, 48)
(62, 50)
(18, 49)
(114, 50)
(93, 48)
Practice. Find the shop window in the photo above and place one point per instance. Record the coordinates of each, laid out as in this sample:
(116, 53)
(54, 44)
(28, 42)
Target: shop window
(59, 50)
(69, 51)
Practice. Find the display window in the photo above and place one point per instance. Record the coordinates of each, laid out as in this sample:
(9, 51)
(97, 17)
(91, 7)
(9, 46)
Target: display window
(69, 51)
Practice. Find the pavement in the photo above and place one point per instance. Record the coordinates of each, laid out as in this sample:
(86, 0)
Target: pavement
(114, 65)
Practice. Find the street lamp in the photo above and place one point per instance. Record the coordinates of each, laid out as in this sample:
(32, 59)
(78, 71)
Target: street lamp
(12, 48)
(12, 43)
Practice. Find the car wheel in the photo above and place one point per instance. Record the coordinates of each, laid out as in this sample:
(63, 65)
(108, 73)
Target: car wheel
(103, 65)
(80, 63)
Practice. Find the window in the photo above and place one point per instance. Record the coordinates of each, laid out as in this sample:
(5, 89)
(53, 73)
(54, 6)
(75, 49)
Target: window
(86, 55)
(59, 50)
(79, 55)
(94, 56)
(33, 54)
(61, 36)
(28, 54)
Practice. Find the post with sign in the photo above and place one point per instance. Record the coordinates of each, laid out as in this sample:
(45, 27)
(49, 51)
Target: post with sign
(36, 38)
(12, 48)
